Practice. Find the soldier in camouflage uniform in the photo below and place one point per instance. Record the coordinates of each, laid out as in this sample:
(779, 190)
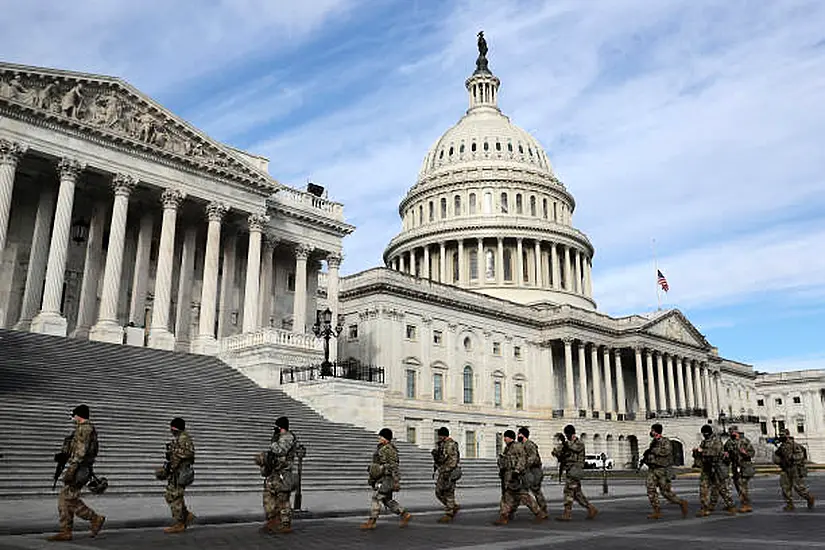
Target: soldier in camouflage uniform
(534, 473)
(180, 454)
(570, 454)
(81, 452)
(512, 464)
(276, 466)
(740, 453)
(659, 458)
(385, 478)
(791, 457)
(446, 459)
(713, 481)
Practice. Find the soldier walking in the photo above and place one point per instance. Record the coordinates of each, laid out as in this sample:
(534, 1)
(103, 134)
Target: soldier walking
(713, 481)
(446, 459)
(79, 453)
(659, 459)
(740, 453)
(570, 453)
(178, 473)
(791, 458)
(512, 464)
(385, 478)
(276, 467)
(534, 473)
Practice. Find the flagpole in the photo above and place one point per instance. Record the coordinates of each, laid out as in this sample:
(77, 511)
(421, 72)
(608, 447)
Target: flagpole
(656, 268)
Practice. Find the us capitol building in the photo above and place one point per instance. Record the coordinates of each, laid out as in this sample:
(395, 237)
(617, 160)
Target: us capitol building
(122, 223)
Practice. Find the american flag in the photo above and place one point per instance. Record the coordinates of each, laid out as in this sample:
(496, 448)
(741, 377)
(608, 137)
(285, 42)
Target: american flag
(662, 281)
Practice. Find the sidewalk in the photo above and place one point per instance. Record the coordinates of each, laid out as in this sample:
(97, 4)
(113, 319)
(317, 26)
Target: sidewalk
(39, 515)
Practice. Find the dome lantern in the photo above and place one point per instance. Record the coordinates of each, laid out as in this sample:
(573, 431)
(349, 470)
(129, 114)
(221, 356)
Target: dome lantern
(482, 85)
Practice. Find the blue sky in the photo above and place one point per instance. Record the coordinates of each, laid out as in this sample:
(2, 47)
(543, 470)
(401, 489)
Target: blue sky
(699, 123)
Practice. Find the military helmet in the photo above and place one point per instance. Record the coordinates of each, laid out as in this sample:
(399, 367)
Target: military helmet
(707, 429)
(569, 430)
(443, 431)
(657, 428)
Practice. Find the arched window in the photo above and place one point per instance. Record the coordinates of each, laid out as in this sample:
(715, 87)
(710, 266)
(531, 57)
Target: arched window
(420, 214)
(443, 208)
(544, 208)
(555, 212)
(473, 147)
(474, 264)
(498, 146)
(519, 206)
(432, 211)
(504, 205)
(488, 203)
(451, 150)
(457, 205)
(490, 267)
(486, 146)
(472, 203)
(468, 344)
(510, 147)
(508, 265)
(461, 149)
(532, 205)
(468, 385)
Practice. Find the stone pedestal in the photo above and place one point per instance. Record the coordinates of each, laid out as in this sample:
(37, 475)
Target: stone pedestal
(205, 344)
(161, 338)
(51, 323)
(107, 331)
(134, 336)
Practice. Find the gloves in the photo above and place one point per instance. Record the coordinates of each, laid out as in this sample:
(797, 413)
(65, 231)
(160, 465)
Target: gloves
(161, 474)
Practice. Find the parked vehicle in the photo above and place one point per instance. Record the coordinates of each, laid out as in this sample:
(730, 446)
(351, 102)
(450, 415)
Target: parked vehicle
(595, 462)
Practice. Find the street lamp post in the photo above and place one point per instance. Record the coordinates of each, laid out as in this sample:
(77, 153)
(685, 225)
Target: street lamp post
(323, 329)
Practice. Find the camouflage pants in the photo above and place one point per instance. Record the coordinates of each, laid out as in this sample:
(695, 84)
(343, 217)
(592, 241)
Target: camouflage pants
(789, 482)
(710, 489)
(379, 499)
(573, 491)
(174, 498)
(742, 489)
(538, 494)
(445, 493)
(69, 505)
(510, 501)
(658, 479)
(277, 504)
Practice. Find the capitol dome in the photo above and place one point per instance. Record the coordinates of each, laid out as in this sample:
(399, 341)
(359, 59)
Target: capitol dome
(488, 214)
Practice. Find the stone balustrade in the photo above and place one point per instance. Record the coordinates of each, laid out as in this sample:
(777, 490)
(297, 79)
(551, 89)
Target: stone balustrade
(271, 336)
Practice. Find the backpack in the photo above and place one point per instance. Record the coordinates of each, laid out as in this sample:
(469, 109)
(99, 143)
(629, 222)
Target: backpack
(92, 448)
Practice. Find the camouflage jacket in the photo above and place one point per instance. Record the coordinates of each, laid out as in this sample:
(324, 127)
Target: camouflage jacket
(446, 455)
(570, 454)
(81, 438)
(712, 450)
(739, 450)
(531, 450)
(181, 451)
(283, 447)
(660, 453)
(790, 454)
(513, 459)
(385, 463)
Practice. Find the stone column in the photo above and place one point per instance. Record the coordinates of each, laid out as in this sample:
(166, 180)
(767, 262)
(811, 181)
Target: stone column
(640, 383)
(569, 388)
(519, 263)
(50, 320)
(253, 272)
(226, 303)
(660, 379)
(401, 266)
(671, 386)
(584, 394)
(426, 270)
(552, 374)
(33, 293)
(299, 307)
(691, 397)
(107, 328)
(706, 397)
(717, 394)
(87, 310)
(442, 262)
(137, 307)
(500, 262)
(539, 275)
(588, 273)
(579, 272)
(697, 381)
(186, 274)
(651, 382)
(413, 262)
(10, 154)
(568, 279)
(463, 275)
(265, 292)
(594, 374)
(159, 335)
(554, 266)
(608, 383)
(621, 407)
(333, 266)
(482, 263)
(205, 342)
(680, 382)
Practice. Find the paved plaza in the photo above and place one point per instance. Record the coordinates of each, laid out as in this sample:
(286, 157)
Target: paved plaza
(621, 524)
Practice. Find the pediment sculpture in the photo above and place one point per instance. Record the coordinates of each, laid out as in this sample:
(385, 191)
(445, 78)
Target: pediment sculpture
(674, 328)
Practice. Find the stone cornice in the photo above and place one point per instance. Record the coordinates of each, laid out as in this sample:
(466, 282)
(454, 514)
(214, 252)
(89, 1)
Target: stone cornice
(338, 228)
(111, 112)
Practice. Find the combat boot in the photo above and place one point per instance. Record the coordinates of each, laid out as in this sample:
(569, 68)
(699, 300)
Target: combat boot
(655, 514)
(368, 525)
(684, 506)
(702, 513)
(503, 519)
(591, 512)
(176, 528)
(811, 501)
(270, 525)
(540, 517)
(190, 518)
(405, 519)
(745, 508)
(283, 529)
(446, 518)
(566, 515)
(63, 535)
(97, 524)
(731, 510)
(789, 507)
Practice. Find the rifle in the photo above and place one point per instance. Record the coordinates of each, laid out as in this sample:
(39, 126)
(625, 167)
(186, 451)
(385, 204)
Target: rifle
(436, 457)
(643, 461)
(62, 458)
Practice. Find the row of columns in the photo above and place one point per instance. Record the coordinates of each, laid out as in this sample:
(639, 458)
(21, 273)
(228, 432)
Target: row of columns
(678, 384)
(567, 260)
(41, 308)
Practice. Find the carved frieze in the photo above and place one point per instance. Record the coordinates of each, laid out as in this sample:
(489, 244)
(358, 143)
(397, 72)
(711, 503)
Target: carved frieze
(673, 328)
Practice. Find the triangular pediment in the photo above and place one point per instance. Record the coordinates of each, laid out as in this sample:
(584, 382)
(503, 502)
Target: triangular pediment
(110, 108)
(674, 326)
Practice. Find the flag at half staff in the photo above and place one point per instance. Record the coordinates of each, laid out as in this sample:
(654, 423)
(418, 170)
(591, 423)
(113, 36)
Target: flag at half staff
(661, 280)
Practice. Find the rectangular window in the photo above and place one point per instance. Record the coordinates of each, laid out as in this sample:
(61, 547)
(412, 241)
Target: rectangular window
(470, 444)
(497, 393)
(519, 396)
(496, 348)
(457, 205)
(488, 203)
(763, 427)
(797, 400)
(472, 206)
(800, 427)
(290, 282)
(352, 332)
(438, 387)
(432, 211)
(504, 205)
(443, 208)
(411, 434)
(519, 205)
(437, 337)
(760, 402)
(410, 384)
(499, 443)
(544, 207)
(517, 352)
(778, 400)
(411, 332)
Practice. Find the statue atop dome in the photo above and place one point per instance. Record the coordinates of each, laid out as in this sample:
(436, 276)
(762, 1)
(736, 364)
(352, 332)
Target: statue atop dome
(481, 61)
